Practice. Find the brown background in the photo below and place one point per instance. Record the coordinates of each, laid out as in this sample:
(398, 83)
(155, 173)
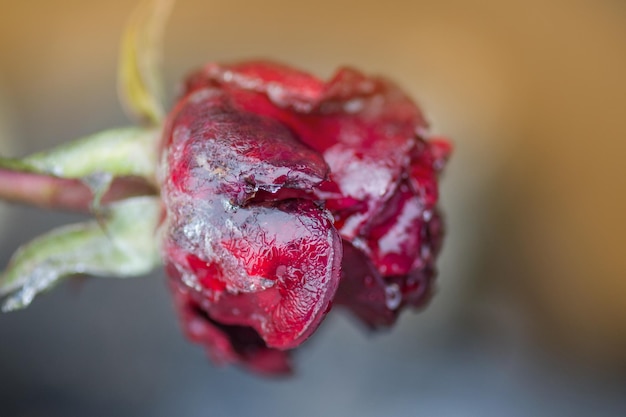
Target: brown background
(533, 93)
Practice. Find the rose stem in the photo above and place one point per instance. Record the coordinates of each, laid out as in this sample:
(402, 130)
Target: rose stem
(51, 192)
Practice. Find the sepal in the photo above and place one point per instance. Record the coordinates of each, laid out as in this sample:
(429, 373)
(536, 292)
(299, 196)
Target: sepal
(122, 244)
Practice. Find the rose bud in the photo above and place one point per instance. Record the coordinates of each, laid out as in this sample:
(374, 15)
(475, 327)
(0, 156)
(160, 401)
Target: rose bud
(268, 194)
(283, 193)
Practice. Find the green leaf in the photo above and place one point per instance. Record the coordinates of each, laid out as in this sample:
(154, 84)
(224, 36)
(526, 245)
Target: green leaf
(139, 79)
(124, 245)
(129, 151)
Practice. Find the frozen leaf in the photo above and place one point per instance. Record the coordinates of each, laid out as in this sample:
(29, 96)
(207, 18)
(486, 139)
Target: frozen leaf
(128, 151)
(122, 246)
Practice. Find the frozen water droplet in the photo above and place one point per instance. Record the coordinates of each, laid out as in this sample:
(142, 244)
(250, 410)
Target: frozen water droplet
(272, 188)
(393, 296)
(267, 283)
(191, 281)
(258, 283)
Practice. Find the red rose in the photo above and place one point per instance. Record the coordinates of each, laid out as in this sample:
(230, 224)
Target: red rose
(285, 194)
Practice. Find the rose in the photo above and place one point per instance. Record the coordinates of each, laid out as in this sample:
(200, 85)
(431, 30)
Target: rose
(273, 194)
(284, 194)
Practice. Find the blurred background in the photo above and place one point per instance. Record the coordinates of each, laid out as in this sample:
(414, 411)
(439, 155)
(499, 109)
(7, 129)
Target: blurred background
(530, 314)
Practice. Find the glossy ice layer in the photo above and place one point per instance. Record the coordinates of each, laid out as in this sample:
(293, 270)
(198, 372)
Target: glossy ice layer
(284, 193)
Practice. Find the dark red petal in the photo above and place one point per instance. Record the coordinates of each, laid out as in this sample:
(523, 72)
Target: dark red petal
(364, 292)
(394, 265)
(399, 239)
(396, 238)
(227, 344)
(416, 287)
(441, 149)
(428, 160)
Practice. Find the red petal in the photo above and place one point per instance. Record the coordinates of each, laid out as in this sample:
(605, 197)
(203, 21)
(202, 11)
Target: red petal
(295, 252)
(216, 149)
(258, 261)
(363, 291)
(227, 344)
(365, 127)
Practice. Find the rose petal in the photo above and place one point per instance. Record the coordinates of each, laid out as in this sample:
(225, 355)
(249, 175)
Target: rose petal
(227, 344)
(275, 268)
(241, 229)
(363, 291)
(296, 252)
(364, 126)
(216, 149)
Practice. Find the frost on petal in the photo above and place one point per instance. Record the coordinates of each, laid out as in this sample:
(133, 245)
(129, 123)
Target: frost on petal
(361, 125)
(214, 148)
(285, 86)
(295, 247)
(281, 188)
(241, 225)
(272, 267)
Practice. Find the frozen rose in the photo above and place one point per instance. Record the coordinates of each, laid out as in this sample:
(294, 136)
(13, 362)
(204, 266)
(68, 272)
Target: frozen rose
(284, 194)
